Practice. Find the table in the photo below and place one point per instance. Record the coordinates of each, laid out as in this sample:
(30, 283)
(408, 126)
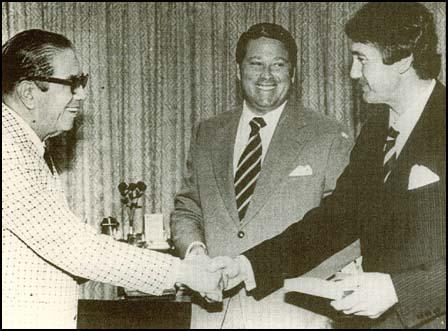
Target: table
(137, 313)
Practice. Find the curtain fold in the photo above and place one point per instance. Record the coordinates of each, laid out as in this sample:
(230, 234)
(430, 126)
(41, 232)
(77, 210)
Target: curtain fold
(157, 69)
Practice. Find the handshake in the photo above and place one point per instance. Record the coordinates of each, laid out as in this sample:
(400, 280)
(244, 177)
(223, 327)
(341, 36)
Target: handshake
(365, 294)
(210, 276)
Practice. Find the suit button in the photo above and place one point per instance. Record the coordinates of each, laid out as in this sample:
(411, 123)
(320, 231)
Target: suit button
(241, 234)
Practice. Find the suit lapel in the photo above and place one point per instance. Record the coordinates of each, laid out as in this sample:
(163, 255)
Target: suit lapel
(418, 147)
(288, 139)
(222, 158)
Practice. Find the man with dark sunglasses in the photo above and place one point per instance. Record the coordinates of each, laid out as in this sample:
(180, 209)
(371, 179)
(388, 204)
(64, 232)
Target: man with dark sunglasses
(74, 82)
(44, 245)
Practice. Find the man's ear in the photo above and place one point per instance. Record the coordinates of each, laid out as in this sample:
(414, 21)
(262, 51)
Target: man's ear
(405, 64)
(26, 91)
(238, 72)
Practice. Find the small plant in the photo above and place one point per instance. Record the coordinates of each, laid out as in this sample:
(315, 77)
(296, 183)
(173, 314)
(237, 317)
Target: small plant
(130, 195)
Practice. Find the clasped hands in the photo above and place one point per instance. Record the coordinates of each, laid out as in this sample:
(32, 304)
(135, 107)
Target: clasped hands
(211, 276)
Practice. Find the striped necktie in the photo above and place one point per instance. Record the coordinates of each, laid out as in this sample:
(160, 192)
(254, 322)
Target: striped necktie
(249, 166)
(390, 155)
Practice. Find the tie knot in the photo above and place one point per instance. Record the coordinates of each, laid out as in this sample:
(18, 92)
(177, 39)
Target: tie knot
(256, 124)
(392, 133)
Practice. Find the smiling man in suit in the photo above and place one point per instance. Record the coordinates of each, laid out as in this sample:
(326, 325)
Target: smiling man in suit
(255, 170)
(392, 195)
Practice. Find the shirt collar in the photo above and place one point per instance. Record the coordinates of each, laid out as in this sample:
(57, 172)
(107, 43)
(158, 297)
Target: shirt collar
(406, 121)
(40, 145)
(271, 118)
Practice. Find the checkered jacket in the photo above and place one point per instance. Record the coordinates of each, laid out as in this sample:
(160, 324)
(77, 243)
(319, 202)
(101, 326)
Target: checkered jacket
(44, 244)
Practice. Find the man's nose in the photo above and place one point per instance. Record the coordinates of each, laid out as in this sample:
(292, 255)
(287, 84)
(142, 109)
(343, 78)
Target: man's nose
(355, 71)
(267, 72)
(80, 93)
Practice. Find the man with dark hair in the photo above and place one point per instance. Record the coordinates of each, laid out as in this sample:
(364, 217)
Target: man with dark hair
(45, 246)
(392, 195)
(402, 31)
(267, 30)
(253, 171)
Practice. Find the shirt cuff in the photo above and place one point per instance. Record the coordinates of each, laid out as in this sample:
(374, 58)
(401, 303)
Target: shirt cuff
(246, 269)
(194, 244)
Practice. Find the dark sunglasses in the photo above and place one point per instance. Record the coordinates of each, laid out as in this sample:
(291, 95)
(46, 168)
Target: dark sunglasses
(74, 81)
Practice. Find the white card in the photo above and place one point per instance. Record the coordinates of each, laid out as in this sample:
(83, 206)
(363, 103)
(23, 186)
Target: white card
(154, 227)
(315, 286)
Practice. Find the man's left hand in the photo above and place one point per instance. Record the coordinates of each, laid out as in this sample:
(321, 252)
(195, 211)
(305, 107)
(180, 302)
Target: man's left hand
(371, 294)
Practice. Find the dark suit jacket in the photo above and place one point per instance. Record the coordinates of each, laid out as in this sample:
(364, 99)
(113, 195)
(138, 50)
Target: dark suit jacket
(402, 232)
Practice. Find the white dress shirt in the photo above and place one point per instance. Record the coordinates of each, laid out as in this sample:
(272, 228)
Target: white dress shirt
(266, 133)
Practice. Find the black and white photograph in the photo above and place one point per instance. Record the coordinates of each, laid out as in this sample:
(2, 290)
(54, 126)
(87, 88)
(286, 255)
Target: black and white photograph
(223, 165)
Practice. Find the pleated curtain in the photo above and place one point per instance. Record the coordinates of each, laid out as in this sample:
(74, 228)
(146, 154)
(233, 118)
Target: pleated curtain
(157, 69)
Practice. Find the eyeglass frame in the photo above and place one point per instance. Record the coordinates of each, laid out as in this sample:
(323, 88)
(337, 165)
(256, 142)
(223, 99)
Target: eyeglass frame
(74, 81)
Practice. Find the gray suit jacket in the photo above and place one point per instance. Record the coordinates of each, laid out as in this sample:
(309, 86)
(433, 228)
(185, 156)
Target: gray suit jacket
(205, 208)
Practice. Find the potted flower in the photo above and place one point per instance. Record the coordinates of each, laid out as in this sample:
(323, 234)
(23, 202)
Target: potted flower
(130, 196)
